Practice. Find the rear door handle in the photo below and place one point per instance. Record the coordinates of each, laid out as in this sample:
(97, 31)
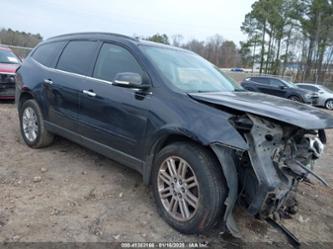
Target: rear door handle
(89, 93)
(48, 81)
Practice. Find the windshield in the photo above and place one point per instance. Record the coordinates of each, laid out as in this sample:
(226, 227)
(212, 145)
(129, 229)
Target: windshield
(8, 57)
(326, 89)
(188, 71)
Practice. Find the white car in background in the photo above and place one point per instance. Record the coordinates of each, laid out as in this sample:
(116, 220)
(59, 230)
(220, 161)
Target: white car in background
(325, 94)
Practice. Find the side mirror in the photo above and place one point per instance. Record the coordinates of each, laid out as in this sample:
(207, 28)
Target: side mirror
(130, 80)
(283, 87)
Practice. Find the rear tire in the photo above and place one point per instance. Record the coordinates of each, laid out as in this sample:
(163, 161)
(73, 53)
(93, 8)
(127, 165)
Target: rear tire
(295, 98)
(32, 125)
(202, 187)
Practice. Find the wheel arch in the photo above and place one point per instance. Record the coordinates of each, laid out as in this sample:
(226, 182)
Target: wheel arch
(173, 138)
(295, 95)
(163, 141)
(178, 135)
(24, 96)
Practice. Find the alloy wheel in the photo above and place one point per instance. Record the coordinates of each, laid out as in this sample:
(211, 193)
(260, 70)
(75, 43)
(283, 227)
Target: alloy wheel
(329, 104)
(178, 188)
(295, 98)
(30, 124)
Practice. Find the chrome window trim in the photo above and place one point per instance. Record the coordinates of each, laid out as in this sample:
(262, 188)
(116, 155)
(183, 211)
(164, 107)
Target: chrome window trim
(80, 75)
(70, 73)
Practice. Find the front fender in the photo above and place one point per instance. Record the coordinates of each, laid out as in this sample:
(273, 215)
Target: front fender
(216, 133)
(225, 134)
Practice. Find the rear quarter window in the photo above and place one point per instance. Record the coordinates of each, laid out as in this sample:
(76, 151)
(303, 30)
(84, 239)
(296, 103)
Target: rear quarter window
(78, 57)
(276, 82)
(260, 80)
(47, 54)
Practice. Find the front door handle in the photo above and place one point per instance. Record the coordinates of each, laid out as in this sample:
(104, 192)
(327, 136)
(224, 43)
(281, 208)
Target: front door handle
(48, 81)
(89, 93)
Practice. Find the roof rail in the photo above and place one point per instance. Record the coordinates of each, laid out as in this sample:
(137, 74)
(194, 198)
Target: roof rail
(93, 33)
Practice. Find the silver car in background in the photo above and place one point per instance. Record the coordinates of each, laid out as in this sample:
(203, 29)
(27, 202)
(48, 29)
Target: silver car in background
(325, 94)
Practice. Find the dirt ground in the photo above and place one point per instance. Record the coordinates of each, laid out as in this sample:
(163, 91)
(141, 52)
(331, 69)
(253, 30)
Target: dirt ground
(67, 193)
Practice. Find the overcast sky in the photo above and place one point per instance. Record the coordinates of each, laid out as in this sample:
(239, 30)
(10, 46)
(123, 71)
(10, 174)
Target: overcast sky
(191, 18)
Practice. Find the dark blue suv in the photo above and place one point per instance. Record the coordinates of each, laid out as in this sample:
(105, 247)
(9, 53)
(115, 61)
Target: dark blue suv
(200, 140)
(280, 88)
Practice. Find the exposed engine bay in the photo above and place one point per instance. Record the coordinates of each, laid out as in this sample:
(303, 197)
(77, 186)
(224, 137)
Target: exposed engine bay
(279, 157)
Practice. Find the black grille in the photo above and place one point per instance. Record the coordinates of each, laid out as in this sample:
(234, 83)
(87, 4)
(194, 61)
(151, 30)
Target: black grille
(7, 78)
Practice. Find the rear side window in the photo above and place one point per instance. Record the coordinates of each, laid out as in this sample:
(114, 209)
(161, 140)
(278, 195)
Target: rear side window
(276, 82)
(47, 54)
(78, 57)
(260, 80)
(114, 59)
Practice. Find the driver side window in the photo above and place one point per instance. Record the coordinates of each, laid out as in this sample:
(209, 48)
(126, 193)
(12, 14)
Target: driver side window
(114, 59)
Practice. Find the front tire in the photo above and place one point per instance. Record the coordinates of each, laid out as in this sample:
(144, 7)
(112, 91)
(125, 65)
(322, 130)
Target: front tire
(32, 125)
(189, 187)
(329, 104)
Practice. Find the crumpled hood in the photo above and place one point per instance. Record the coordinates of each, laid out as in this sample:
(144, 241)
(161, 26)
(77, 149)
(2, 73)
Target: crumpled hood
(298, 114)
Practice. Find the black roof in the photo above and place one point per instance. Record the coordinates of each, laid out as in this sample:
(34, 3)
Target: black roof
(91, 34)
(107, 36)
(264, 76)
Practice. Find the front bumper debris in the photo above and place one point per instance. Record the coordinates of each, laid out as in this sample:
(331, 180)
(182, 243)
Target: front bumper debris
(280, 157)
(265, 178)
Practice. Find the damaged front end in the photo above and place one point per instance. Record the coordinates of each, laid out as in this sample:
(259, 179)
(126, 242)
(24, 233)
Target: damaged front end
(274, 164)
(264, 178)
(283, 139)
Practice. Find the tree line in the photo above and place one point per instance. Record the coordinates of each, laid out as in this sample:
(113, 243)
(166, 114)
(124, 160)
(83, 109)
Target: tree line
(284, 37)
(20, 39)
(223, 53)
(290, 34)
